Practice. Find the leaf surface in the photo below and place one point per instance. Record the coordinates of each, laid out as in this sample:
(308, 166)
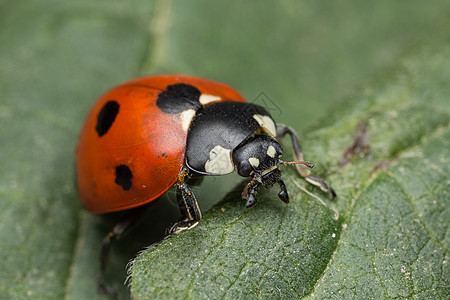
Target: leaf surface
(391, 239)
(298, 59)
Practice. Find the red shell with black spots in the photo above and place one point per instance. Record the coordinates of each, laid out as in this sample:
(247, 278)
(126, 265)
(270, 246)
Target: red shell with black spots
(132, 145)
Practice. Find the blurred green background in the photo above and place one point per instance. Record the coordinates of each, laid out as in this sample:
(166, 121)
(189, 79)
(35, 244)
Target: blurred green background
(56, 58)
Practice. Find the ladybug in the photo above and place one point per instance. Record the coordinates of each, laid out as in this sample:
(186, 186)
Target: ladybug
(151, 133)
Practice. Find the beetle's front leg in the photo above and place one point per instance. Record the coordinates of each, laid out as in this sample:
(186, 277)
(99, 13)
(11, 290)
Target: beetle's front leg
(187, 203)
(283, 194)
(282, 130)
(249, 193)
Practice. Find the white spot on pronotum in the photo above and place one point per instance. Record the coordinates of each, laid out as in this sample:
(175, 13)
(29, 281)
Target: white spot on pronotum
(220, 161)
(254, 162)
(206, 99)
(186, 118)
(267, 123)
(271, 151)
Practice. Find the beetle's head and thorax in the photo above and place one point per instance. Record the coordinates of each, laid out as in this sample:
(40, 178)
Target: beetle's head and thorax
(240, 137)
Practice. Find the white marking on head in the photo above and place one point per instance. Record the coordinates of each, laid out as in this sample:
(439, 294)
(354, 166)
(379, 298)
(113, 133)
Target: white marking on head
(267, 123)
(220, 161)
(186, 118)
(206, 99)
(254, 162)
(271, 151)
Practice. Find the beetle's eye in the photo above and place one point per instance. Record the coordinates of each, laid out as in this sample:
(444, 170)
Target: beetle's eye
(244, 169)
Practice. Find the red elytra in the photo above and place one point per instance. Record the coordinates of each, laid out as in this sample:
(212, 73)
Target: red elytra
(126, 129)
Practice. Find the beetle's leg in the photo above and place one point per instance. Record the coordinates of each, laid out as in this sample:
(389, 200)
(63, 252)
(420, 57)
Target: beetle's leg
(249, 193)
(187, 203)
(282, 130)
(120, 229)
(324, 186)
(283, 194)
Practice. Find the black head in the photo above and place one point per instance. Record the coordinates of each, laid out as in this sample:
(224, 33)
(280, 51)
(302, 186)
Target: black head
(260, 157)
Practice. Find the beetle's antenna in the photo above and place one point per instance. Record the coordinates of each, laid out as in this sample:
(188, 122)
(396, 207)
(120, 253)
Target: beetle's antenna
(305, 163)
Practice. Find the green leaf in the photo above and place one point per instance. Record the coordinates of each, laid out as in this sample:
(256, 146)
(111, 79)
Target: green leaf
(57, 57)
(238, 252)
(391, 239)
(396, 242)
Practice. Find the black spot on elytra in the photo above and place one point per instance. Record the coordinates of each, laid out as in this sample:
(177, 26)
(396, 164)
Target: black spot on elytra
(178, 98)
(123, 177)
(106, 117)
